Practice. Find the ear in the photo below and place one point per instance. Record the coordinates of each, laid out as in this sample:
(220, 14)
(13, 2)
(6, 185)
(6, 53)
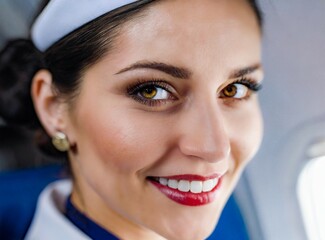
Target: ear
(49, 108)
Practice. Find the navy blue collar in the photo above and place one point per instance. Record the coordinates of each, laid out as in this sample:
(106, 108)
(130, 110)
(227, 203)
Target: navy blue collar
(86, 225)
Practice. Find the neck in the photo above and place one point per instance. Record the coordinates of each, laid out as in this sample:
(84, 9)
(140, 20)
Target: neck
(109, 219)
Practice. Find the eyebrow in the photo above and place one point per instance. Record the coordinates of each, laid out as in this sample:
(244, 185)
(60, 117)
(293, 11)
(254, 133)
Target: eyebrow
(245, 71)
(183, 73)
(177, 72)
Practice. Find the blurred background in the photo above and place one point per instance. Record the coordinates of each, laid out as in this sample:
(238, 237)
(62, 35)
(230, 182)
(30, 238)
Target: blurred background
(281, 193)
(15, 144)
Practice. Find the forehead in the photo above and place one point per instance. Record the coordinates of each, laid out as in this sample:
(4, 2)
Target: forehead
(203, 32)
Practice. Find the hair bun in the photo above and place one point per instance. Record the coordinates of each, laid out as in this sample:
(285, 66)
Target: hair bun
(19, 61)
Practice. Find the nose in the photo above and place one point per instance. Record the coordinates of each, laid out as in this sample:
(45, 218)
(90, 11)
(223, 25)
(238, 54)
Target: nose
(203, 133)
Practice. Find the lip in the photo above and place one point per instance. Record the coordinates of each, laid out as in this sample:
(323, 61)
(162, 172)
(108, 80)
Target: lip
(189, 198)
(192, 177)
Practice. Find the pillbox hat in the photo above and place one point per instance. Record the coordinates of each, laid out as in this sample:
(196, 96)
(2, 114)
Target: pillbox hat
(61, 17)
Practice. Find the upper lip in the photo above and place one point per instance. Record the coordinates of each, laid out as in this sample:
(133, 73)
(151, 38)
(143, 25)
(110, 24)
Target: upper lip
(192, 177)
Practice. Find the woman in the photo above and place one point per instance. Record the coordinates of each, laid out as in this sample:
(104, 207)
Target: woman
(154, 104)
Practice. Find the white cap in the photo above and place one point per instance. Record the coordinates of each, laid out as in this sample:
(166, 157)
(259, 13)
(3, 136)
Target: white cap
(61, 17)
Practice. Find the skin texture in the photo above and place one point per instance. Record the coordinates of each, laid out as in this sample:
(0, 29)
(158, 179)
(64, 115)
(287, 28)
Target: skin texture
(119, 141)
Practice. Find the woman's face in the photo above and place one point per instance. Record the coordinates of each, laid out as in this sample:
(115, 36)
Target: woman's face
(172, 106)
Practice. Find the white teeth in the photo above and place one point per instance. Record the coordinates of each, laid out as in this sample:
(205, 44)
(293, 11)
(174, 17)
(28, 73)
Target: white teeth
(196, 186)
(184, 186)
(208, 185)
(190, 186)
(173, 183)
(163, 181)
(215, 182)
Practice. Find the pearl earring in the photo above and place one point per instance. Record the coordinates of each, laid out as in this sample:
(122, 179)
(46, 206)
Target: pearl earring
(60, 142)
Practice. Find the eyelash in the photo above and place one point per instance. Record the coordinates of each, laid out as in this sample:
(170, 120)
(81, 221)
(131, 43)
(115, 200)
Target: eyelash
(251, 84)
(134, 89)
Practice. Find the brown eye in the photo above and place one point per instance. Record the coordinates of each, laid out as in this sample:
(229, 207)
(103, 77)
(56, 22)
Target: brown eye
(149, 92)
(230, 91)
(153, 93)
(235, 90)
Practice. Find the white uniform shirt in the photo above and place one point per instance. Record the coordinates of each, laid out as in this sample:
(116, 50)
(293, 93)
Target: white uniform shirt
(49, 221)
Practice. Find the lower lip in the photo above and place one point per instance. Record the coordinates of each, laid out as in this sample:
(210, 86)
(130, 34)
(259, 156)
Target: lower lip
(188, 198)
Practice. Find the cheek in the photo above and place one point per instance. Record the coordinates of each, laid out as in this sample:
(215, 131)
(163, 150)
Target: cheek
(246, 134)
(110, 137)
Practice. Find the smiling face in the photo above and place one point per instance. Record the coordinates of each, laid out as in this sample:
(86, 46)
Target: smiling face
(173, 106)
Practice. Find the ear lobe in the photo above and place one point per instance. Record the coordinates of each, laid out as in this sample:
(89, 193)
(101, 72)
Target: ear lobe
(48, 107)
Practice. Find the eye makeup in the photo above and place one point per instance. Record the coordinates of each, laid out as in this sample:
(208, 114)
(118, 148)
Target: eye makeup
(230, 92)
(249, 83)
(157, 92)
(148, 92)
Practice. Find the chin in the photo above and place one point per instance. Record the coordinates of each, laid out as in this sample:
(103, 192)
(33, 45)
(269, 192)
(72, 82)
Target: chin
(197, 224)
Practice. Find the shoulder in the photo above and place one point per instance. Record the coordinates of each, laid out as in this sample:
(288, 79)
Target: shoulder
(49, 221)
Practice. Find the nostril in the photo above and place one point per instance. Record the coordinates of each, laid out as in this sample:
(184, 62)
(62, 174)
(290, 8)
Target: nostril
(203, 132)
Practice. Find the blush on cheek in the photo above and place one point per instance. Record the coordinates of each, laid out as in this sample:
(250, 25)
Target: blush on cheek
(119, 143)
(246, 138)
